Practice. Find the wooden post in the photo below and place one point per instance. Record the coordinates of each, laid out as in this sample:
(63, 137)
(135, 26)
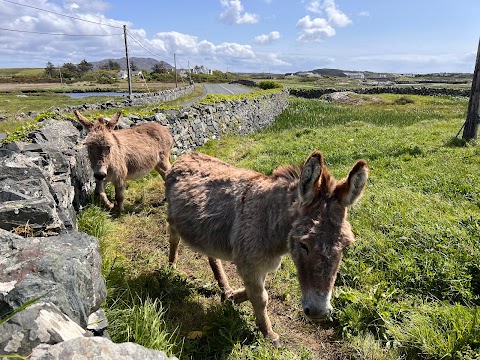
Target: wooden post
(470, 130)
(129, 74)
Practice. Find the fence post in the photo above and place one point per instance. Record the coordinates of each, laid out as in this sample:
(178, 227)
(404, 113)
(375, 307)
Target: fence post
(473, 117)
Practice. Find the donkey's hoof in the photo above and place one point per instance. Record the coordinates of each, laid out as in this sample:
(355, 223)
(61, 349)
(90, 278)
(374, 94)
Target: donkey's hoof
(277, 343)
(227, 296)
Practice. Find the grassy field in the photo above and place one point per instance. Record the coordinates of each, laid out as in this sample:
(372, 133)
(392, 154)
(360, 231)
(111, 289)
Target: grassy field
(408, 288)
(13, 104)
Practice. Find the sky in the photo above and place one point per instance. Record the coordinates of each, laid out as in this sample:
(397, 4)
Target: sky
(280, 36)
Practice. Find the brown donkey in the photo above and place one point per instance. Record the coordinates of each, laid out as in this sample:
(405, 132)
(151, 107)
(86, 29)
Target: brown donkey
(116, 156)
(253, 219)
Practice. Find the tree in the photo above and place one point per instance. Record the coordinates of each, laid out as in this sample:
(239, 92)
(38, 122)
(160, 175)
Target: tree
(133, 67)
(84, 66)
(110, 65)
(49, 69)
(158, 68)
(69, 70)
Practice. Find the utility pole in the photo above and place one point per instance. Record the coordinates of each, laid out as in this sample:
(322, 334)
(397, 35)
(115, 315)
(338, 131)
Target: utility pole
(60, 71)
(189, 72)
(175, 65)
(129, 75)
(470, 130)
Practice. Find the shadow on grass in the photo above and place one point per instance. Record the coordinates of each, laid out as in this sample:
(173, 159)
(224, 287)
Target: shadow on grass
(205, 327)
(456, 142)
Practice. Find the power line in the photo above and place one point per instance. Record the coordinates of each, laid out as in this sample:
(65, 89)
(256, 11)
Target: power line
(143, 47)
(59, 34)
(60, 14)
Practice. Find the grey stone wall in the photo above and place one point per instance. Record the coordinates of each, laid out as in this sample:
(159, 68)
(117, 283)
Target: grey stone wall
(407, 90)
(194, 126)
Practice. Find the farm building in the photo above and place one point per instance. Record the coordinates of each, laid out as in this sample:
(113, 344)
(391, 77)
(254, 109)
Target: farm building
(354, 75)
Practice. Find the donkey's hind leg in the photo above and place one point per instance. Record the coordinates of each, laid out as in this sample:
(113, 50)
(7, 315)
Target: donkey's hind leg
(219, 273)
(174, 240)
(239, 295)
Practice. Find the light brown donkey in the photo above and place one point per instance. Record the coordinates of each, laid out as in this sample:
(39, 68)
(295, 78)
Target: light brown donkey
(116, 156)
(253, 219)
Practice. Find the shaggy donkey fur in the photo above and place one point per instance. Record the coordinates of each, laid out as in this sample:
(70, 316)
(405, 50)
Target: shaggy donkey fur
(251, 219)
(119, 155)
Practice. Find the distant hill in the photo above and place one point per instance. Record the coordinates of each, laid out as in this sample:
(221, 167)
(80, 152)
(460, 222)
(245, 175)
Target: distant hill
(341, 73)
(140, 63)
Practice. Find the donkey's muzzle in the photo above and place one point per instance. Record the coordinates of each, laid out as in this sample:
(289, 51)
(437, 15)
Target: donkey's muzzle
(316, 305)
(100, 175)
(316, 314)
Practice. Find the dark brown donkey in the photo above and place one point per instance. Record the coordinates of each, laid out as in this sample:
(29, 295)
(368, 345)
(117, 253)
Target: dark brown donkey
(119, 155)
(253, 219)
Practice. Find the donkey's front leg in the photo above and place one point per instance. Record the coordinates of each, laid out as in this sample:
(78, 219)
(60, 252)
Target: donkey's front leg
(100, 191)
(120, 195)
(258, 296)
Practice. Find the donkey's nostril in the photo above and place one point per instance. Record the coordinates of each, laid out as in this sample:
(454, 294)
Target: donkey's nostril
(306, 311)
(99, 176)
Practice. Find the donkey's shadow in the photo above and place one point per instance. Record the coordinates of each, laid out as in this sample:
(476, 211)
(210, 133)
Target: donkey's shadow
(211, 328)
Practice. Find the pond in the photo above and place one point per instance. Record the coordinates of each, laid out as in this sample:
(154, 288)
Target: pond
(79, 95)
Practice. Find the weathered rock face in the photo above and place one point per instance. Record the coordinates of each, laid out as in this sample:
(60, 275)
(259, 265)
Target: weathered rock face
(26, 202)
(65, 270)
(40, 323)
(44, 183)
(96, 348)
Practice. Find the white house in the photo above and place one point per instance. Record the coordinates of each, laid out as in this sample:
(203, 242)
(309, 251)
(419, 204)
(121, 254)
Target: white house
(354, 75)
(122, 74)
(201, 70)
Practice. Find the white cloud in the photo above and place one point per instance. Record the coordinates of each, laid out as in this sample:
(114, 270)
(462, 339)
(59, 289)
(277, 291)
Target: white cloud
(320, 28)
(314, 7)
(233, 13)
(314, 30)
(364, 13)
(267, 38)
(336, 17)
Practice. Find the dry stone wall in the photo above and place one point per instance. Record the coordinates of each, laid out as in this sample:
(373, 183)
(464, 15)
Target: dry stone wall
(406, 90)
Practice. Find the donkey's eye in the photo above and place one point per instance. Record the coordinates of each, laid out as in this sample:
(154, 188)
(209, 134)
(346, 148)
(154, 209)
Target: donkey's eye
(304, 247)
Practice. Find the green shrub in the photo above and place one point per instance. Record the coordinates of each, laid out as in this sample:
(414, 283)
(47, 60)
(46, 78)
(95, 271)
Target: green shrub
(269, 84)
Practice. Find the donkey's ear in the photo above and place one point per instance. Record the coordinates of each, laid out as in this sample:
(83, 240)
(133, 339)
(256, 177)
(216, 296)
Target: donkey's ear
(113, 121)
(309, 178)
(83, 120)
(350, 189)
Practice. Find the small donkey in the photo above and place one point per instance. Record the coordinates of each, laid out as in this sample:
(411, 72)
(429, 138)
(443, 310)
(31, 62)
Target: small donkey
(119, 155)
(253, 219)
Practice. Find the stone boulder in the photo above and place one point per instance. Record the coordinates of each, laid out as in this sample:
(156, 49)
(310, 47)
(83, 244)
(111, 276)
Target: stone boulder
(64, 270)
(44, 183)
(96, 348)
(26, 203)
(39, 323)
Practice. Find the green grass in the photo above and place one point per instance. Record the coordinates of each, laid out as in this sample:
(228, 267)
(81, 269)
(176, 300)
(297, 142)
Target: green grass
(408, 288)
(7, 72)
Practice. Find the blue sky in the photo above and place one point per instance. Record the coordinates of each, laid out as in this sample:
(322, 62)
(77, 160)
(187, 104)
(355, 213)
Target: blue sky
(247, 35)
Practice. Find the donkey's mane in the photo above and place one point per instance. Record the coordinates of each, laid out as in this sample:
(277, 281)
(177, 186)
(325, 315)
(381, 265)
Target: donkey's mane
(292, 173)
(288, 172)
